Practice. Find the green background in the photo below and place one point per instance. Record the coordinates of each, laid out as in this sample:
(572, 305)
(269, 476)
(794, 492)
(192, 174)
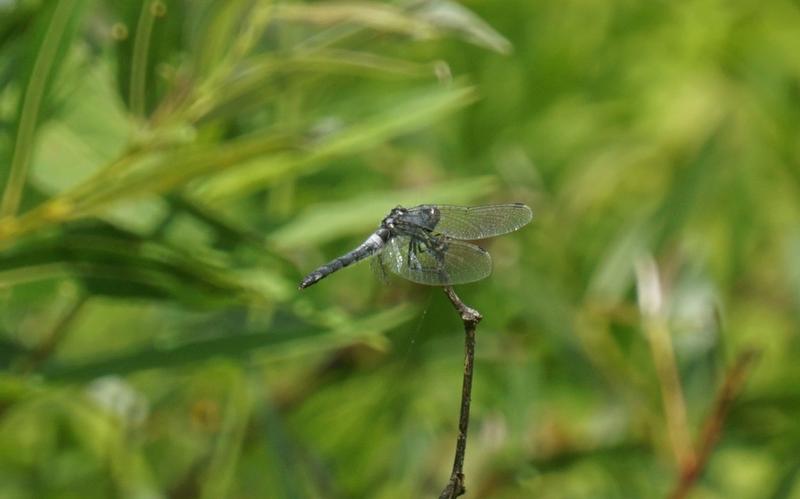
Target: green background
(171, 169)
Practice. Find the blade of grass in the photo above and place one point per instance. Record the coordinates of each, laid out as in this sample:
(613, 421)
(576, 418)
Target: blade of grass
(117, 263)
(255, 81)
(211, 38)
(651, 304)
(381, 17)
(281, 344)
(141, 48)
(408, 115)
(686, 188)
(447, 15)
(41, 74)
(157, 175)
(227, 449)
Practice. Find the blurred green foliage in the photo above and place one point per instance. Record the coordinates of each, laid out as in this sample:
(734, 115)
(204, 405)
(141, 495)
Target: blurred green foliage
(170, 169)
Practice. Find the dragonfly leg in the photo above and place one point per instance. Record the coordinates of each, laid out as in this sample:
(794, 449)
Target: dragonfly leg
(415, 247)
(438, 254)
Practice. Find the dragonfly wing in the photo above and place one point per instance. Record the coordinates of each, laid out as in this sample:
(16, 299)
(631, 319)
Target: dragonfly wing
(472, 222)
(457, 263)
(378, 267)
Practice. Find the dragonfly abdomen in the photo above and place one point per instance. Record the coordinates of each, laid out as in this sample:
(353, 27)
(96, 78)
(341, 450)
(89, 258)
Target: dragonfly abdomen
(372, 245)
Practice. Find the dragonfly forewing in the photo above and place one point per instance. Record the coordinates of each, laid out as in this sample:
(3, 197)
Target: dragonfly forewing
(471, 222)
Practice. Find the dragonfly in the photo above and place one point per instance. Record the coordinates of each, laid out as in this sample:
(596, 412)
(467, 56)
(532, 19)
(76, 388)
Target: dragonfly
(429, 244)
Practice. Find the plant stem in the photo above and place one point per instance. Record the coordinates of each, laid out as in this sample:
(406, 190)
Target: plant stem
(141, 47)
(470, 317)
(712, 429)
(651, 303)
(34, 95)
(663, 354)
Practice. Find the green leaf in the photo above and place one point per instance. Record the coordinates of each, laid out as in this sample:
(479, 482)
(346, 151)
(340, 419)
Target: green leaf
(409, 115)
(374, 15)
(113, 262)
(300, 339)
(90, 131)
(52, 39)
(447, 15)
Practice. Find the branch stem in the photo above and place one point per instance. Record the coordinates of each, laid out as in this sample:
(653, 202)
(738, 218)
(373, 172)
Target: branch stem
(470, 317)
(712, 429)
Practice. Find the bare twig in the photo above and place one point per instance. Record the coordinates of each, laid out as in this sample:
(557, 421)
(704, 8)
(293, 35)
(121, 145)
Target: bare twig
(470, 317)
(712, 429)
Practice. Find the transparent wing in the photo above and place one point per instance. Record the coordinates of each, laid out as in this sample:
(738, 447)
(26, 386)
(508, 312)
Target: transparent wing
(379, 268)
(474, 222)
(457, 263)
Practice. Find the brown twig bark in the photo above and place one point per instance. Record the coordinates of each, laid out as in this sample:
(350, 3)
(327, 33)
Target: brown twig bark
(470, 317)
(712, 429)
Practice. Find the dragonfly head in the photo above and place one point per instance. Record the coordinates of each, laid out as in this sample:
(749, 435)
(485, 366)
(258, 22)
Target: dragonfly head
(393, 216)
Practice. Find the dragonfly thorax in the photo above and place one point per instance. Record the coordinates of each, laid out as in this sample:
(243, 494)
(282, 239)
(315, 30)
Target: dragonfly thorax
(421, 218)
(429, 216)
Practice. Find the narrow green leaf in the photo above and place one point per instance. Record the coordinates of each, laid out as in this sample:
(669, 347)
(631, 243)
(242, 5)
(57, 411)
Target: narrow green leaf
(407, 116)
(90, 131)
(53, 43)
(448, 15)
(255, 81)
(300, 340)
(112, 262)
(141, 49)
(381, 17)
(685, 191)
(227, 449)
